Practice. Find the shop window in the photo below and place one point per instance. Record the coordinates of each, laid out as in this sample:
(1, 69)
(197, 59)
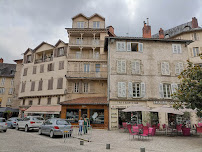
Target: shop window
(97, 116)
(72, 115)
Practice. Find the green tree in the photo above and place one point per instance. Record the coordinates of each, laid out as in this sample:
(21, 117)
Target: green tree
(189, 92)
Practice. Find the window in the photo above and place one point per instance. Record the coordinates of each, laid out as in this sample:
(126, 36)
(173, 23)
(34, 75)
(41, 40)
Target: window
(85, 87)
(11, 91)
(72, 115)
(12, 81)
(61, 65)
(80, 24)
(50, 84)
(61, 51)
(23, 102)
(121, 46)
(49, 101)
(136, 89)
(135, 66)
(78, 54)
(9, 101)
(39, 101)
(25, 71)
(195, 51)
(30, 102)
(32, 86)
(97, 68)
(79, 40)
(29, 58)
(96, 24)
(3, 81)
(76, 87)
(121, 66)
(96, 116)
(34, 70)
(51, 67)
(121, 89)
(165, 69)
(96, 55)
(40, 85)
(195, 36)
(58, 100)
(60, 83)
(2, 90)
(42, 68)
(176, 48)
(87, 68)
(135, 47)
(165, 90)
(179, 68)
(23, 87)
(96, 41)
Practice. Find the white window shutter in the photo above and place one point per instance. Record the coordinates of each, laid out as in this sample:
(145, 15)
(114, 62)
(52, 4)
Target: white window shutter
(130, 89)
(174, 48)
(140, 47)
(137, 67)
(128, 46)
(161, 90)
(123, 46)
(118, 46)
(177, 69)
(143, 89)
(119, 89)
(179, 50)
(133, 65)
(163, 68)
(123, 66)
(181, 67)
(167, 68)
(123, 89)
(119, 66)
(174, 87)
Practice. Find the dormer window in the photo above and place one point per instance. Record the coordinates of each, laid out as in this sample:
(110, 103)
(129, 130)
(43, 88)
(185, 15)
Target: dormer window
(80, 24)
(29, 59)
(61, 51)
(96, 24)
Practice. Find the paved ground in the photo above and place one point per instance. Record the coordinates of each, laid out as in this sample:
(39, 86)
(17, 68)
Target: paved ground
(20, 141)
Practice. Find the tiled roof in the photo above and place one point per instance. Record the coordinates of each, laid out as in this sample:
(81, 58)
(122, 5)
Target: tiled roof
(7, 70)
(86, 101)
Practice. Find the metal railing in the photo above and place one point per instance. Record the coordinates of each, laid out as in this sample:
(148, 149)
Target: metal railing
(87, 43)
(90, 74)
(87, 56)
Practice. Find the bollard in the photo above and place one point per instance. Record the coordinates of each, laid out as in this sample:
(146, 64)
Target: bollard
(81, 142)
(107, 146)
(142, 149)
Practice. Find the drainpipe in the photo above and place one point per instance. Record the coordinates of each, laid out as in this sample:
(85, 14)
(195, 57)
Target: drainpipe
(108, 81)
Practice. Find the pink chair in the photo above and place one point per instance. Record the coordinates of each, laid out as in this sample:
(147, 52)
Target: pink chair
(132, 133)
(135, 129)
(148, 125)
(199, 124)
(145, 133)
(158, 126)
(145, 127)
(139, 126)
(151, 131)
(124, 124)
(129, 126)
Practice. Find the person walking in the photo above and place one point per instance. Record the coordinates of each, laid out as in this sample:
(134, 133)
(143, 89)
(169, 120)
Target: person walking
(85, 130)
(80, 126)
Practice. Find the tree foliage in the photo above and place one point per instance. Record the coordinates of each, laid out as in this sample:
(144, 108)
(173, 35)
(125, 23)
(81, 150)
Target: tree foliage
(189, 93)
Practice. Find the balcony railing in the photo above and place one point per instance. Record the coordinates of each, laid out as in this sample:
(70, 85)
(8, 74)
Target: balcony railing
(44, 60)
(87, 43)
(88, 56)
(87, 75)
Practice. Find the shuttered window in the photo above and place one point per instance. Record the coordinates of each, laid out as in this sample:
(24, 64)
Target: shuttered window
(121, 66)
(165, 90)
(165, 69)
(121, 89)
(179, 68)
(136, 90)
(195, 51)
(51, 67)
(60, 83)
(135, 47)
(40, 85)
(61, 65)
(76, 87)
(32, 85)
(2, 90)
(11, 91)
(135, 67)
(49, 101)
(121, 46)
(42, 68)
(3, 81)
(177, 48)
(23, 87)
(85, 87)
(34, 70)
(50, 84)
(25, 72)
(58, 100)
(60, 51)
(174, 87)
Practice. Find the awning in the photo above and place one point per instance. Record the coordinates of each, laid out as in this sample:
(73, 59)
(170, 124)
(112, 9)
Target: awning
(44, 109)
(86, 101)
(4, 109)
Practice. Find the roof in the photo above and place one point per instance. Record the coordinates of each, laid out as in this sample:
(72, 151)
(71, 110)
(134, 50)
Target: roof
(96, 15)
(7, 70)
(86, 101)
(29, 49)
(56, 108)
(189, 31)
(43, 44)
(60, 41)
(80, 14)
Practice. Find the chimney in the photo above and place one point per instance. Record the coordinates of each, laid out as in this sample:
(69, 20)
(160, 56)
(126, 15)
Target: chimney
(161, 33)
(194, 22)
(1, 60)
(111, 30)
(146, 30)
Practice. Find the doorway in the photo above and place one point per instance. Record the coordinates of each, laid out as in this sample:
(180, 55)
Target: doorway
(84, 113)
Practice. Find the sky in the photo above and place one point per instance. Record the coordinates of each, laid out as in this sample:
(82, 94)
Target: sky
(26, 23)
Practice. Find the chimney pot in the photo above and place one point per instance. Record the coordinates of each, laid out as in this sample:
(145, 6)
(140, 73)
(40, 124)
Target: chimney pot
(194, 22)
(1, 60)
(146, 31)
(161, 33)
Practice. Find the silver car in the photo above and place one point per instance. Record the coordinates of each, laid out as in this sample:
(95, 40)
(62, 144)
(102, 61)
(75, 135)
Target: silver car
(3, 125)
(56, 127)
(11, 122)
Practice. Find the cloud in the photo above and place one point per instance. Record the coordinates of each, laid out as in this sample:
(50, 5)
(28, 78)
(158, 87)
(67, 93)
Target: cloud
(26, 23)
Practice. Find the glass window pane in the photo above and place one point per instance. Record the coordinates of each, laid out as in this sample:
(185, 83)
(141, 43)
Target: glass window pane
(72, 115)
(97, 116)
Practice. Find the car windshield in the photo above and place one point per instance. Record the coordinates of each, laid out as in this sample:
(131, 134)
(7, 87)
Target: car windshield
(38, 118)
(62, 122)
(2, 120)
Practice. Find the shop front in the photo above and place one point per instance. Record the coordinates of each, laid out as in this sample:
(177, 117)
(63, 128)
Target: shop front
(95, 109)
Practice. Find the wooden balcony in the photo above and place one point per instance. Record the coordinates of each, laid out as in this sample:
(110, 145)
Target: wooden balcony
(90, 44)
(102, 75)
(80, 56)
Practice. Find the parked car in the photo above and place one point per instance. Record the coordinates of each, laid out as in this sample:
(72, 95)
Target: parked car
(30, 122)
(55, 126)
(11, 122)
(3, 125)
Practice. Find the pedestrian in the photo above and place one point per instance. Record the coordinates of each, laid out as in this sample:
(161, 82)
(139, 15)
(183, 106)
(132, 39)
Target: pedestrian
(80, 126)
(85, 130)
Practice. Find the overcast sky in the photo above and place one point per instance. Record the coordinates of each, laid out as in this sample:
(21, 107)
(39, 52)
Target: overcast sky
(26, 23)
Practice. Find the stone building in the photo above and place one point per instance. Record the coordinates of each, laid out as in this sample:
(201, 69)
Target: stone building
(7, 73)
(143, 71)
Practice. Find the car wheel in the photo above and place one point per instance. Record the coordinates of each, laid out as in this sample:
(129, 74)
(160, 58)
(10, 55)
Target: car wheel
(17, 127)
(40, 132)
(52, 134)
(4, 130)
(12, 127)
(26, 128)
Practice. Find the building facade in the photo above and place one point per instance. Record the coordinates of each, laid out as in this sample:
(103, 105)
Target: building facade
(7, 73)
